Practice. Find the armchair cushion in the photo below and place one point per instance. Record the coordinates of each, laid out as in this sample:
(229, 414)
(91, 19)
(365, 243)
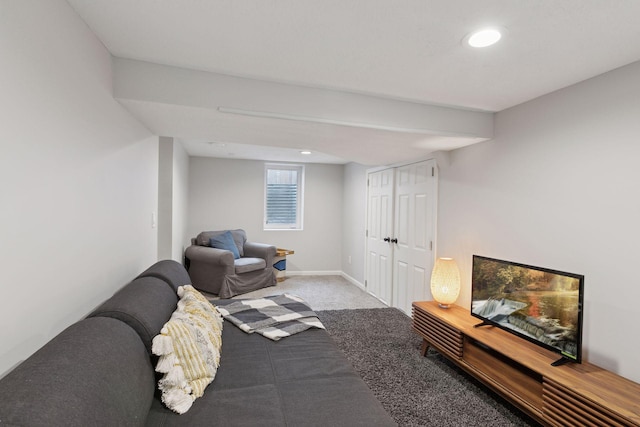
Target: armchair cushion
(245, 265)
(225, 241)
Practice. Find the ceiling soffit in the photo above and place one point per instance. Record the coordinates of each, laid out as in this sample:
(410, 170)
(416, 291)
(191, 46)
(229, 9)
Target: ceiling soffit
(218, 108)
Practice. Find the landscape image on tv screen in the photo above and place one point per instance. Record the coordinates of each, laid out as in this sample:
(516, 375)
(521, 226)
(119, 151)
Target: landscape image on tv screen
(541, 305)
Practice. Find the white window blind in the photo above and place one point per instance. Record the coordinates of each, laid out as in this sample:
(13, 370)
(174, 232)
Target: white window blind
(283, 196)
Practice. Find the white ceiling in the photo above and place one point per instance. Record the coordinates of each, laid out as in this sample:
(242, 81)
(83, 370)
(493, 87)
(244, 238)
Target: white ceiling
(407, 50)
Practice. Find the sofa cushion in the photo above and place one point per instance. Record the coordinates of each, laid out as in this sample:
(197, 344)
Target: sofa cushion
(253, 406)
(144, 304)
(225, 241)
(95, 372)
(302, 381)
(245, 265)
(170, 271)
(189, 348)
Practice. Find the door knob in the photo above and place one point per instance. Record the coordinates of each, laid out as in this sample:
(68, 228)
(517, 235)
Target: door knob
(394, 240)
(387, 239)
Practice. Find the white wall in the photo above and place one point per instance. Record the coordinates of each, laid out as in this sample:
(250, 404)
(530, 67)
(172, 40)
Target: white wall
(173, 192)
(78, 177)
(180, 237)
(354, 205)
(558, 187)
(165, 197)
(227, 194)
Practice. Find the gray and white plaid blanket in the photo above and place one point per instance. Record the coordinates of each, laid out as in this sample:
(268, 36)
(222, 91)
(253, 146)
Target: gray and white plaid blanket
(274, 317)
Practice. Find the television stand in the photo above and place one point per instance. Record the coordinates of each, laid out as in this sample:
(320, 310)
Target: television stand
(562, 361)
(481, 324)
(521, 372)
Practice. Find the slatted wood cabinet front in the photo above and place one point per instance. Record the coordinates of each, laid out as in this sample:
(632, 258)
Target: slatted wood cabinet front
(521, 372)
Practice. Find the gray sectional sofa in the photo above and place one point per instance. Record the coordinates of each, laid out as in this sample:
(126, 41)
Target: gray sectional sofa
(100, 372)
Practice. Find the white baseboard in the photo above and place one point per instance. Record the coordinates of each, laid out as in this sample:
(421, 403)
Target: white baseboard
(352, 280)
(313, 273)
(327, 273)
(334, 273)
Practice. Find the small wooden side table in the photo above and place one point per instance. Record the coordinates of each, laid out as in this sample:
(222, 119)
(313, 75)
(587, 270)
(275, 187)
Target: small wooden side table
(280, 263)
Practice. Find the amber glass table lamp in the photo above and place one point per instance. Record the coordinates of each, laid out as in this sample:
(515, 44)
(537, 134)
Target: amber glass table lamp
(445, 282)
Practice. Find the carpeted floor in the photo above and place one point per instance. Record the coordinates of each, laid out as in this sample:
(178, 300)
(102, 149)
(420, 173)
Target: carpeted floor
(321, 292)
(415, 390)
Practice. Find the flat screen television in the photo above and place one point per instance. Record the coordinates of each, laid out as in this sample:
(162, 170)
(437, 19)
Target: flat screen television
(538, 304)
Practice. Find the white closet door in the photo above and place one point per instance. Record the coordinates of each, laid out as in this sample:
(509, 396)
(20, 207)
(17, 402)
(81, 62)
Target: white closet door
(414, 230)
(380, 227)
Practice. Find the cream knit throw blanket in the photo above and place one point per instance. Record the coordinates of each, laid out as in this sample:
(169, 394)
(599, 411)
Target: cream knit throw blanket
(189, 347)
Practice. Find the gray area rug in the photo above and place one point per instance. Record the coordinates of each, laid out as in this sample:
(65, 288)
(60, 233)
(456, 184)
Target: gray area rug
(415, 390)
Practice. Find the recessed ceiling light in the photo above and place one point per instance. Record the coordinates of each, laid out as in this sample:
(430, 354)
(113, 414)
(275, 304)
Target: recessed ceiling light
(485, 37)
(306, 152)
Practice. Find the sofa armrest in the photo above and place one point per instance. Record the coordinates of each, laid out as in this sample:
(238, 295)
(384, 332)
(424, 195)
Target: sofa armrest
(260, 250)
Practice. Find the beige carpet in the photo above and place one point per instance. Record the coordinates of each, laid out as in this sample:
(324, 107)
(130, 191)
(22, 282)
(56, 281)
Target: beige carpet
(321, 292)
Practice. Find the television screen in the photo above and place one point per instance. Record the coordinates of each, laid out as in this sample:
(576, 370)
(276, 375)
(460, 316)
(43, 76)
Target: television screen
(541, 305)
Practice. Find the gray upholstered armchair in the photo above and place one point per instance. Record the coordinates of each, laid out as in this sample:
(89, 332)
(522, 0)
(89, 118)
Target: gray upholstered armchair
(217, 271)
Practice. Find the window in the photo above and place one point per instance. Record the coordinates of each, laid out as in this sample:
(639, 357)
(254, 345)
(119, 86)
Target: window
(283, 197)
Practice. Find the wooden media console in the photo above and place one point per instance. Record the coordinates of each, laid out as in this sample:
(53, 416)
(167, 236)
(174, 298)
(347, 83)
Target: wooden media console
(521, 372)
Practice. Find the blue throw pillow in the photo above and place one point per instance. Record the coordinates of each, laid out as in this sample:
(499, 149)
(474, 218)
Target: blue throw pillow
(225, 241)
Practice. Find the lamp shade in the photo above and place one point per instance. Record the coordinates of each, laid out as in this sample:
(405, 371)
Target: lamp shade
(445, 282)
